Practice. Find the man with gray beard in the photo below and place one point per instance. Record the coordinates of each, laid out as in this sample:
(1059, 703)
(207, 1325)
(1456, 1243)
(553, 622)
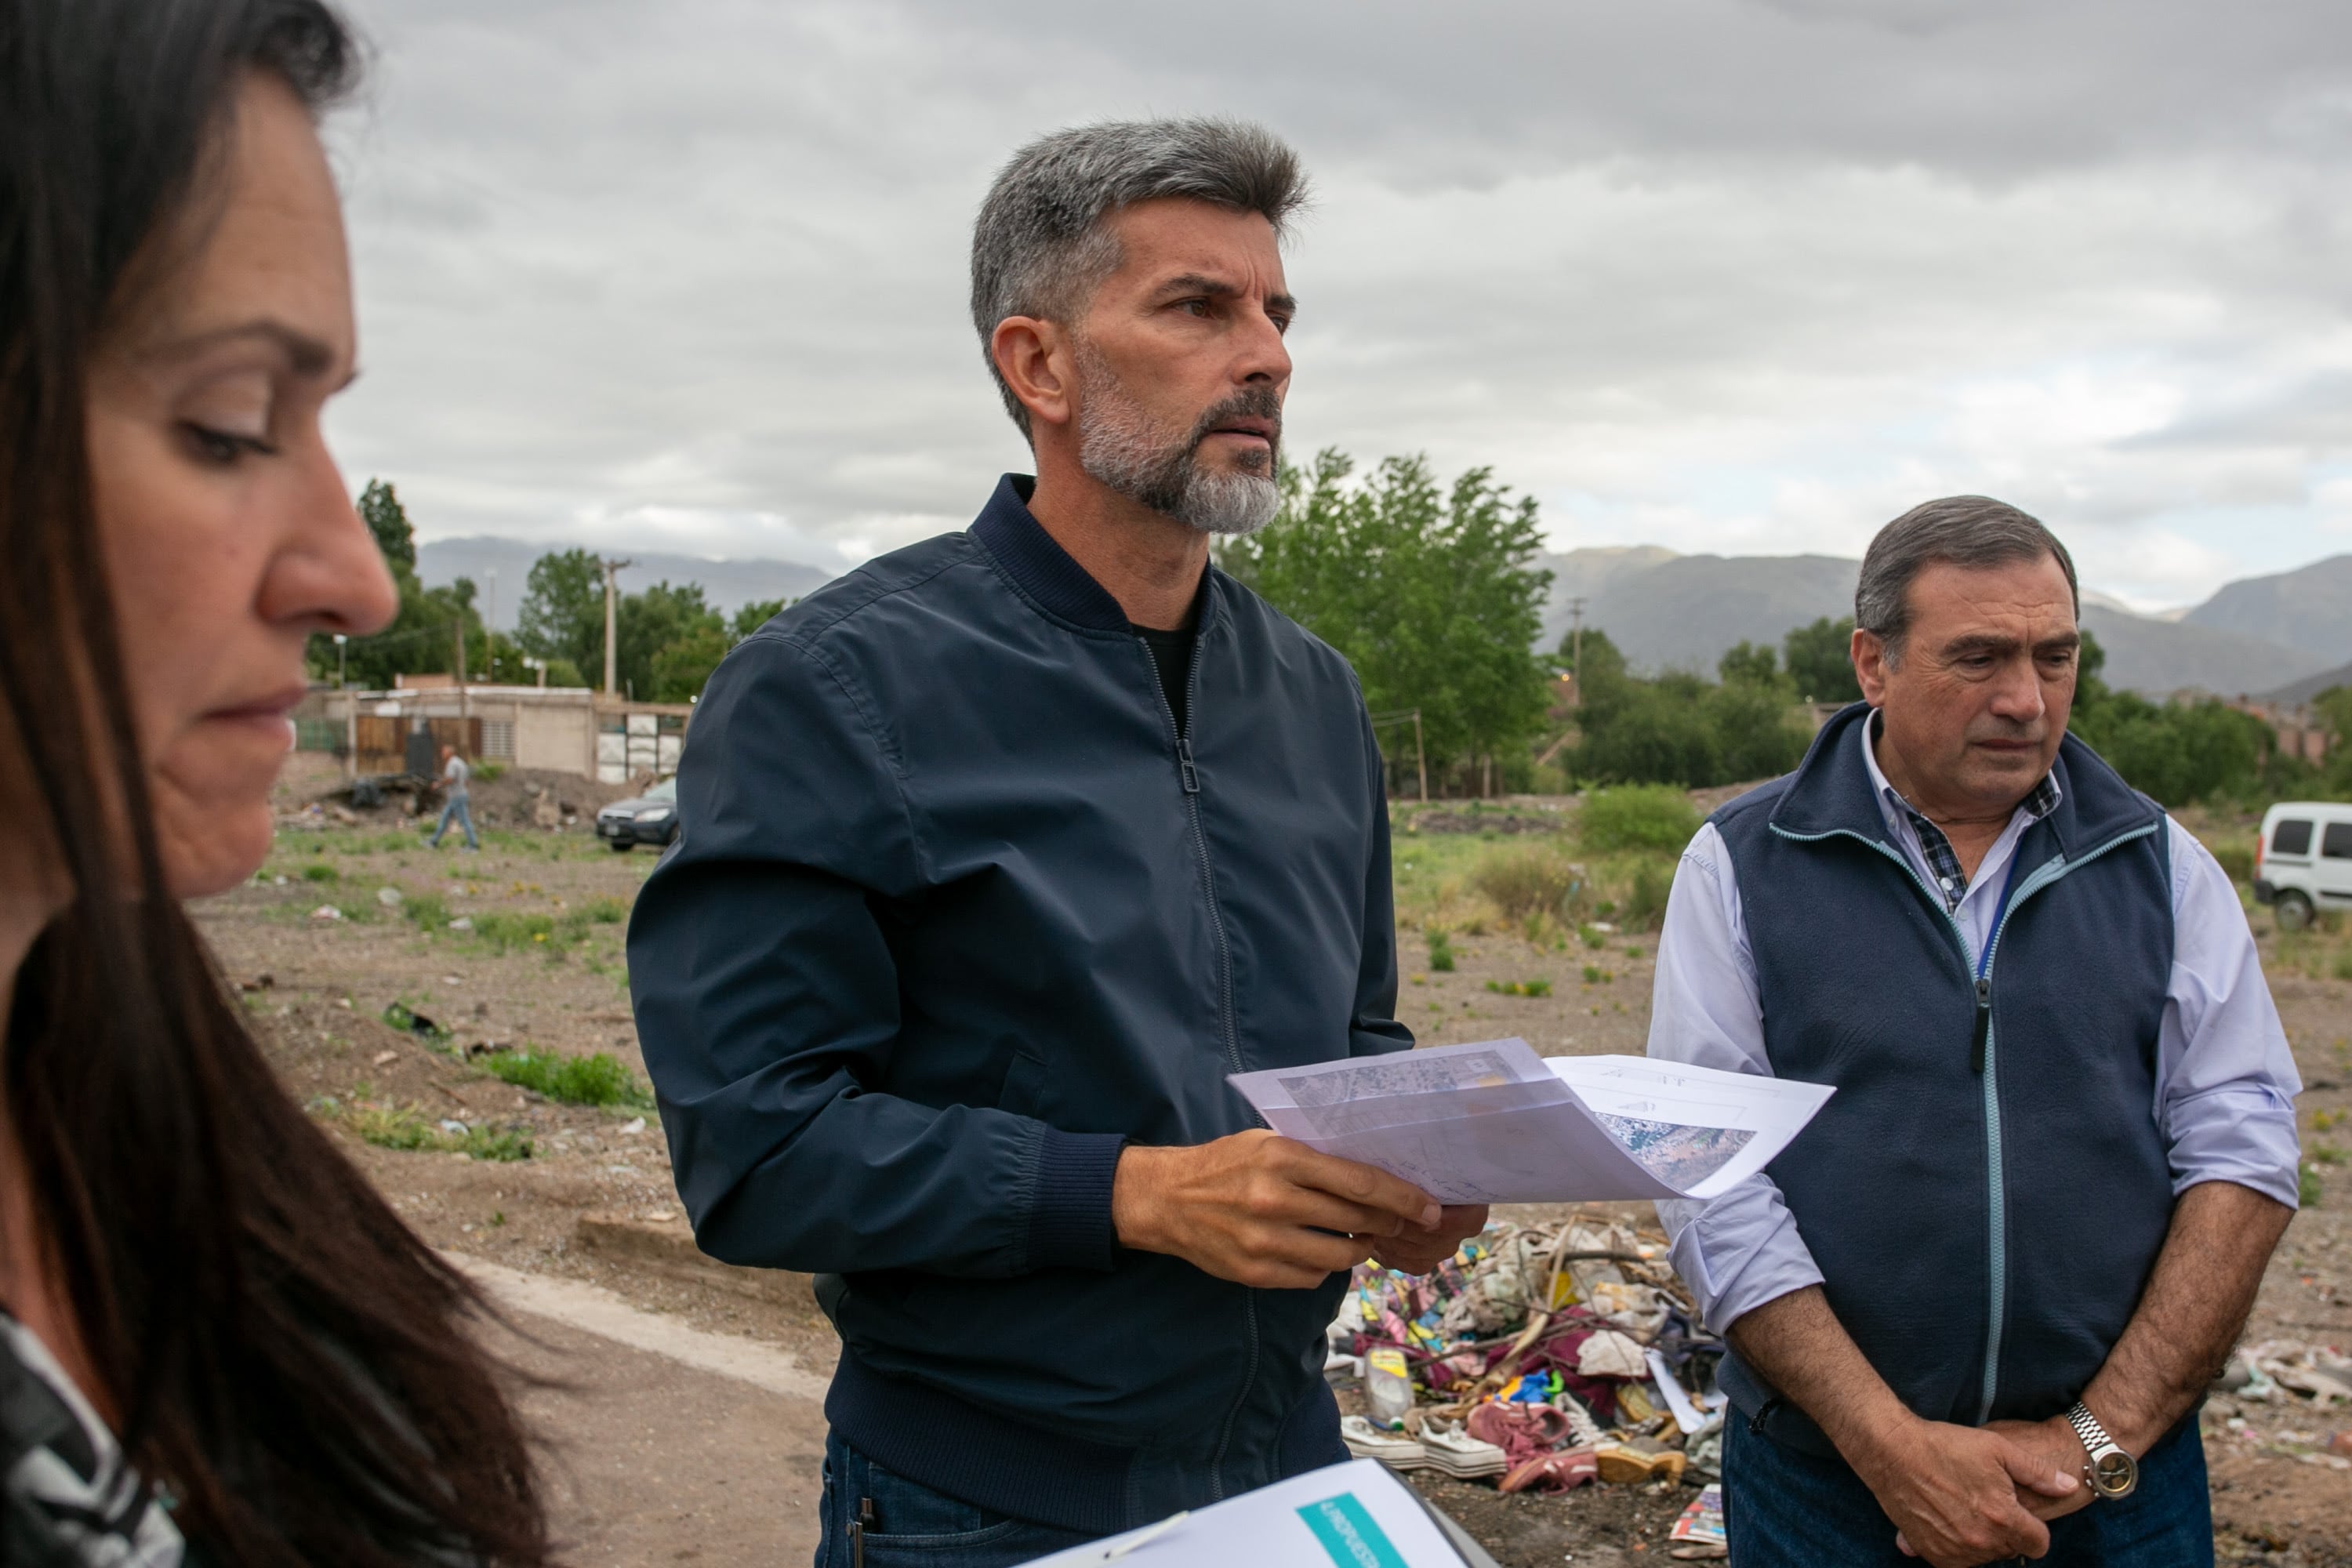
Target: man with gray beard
(996, 857)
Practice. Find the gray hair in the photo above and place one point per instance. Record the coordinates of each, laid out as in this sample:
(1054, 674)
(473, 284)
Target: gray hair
(1975, 533)
(1043, 243)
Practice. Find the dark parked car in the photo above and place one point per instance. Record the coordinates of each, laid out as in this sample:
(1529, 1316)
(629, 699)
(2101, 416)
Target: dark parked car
(650, 818)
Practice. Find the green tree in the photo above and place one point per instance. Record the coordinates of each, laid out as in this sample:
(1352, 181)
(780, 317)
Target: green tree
(750, 618)
(1821, 661)
(1749, 664)
(386, 519)
(663, 616)
(563, 613)
(1431, 594)
(683, 668)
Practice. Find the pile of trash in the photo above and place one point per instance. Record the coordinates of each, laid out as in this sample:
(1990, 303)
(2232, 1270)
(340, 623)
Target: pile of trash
(1543, 1356)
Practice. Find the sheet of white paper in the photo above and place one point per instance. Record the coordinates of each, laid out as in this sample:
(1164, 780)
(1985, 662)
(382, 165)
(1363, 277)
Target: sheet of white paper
(1348, 1515)
(1493, 1122)
(1686, 1415)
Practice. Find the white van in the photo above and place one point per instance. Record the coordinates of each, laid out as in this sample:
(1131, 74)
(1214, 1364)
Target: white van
(2302, 861)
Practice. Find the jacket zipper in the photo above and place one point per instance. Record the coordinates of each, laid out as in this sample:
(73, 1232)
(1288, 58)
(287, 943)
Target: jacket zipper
(1188, 774)
(1984, 1060)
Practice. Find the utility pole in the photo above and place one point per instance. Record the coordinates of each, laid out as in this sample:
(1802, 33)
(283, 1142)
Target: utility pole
(1576, 644)
(1420, 757)
(465, 731)
(611, 623)
(490, 626)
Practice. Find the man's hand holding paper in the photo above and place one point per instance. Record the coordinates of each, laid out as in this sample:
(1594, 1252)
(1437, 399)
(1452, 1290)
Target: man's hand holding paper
(1494, 1122)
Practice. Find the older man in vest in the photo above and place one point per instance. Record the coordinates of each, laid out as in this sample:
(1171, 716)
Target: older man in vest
(1972, 1309)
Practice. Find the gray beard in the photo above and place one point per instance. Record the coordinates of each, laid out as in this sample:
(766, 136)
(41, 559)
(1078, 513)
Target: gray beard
(1120, 447)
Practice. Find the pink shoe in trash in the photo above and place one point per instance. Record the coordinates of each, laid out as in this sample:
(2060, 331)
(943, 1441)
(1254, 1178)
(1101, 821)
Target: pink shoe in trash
(1522, 1431)
(1563, 1470)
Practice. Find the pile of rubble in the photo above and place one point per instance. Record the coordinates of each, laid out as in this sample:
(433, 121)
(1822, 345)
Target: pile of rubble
(1542, 1357)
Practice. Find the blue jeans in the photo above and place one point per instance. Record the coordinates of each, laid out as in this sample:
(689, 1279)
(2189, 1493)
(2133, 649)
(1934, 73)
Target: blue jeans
(908, 1523)
(457, 808)
(1788, 1509)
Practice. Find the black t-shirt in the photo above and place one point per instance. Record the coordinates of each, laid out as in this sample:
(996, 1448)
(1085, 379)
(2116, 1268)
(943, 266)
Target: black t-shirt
(1172, 653)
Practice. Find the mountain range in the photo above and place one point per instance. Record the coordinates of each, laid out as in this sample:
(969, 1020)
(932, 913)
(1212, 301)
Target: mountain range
(500, 569)
(2260, 636)
(2286, 635)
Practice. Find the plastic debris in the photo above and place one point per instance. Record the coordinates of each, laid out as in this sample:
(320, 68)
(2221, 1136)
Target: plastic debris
(326, 912)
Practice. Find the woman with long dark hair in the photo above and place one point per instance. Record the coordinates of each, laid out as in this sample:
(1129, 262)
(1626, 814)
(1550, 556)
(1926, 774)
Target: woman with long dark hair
(218, 1343)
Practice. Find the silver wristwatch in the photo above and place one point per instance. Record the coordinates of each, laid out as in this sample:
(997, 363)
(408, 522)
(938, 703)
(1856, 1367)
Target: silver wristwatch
(2110, 1472)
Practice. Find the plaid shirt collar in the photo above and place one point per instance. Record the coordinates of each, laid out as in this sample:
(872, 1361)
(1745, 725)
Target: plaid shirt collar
(1950, 881)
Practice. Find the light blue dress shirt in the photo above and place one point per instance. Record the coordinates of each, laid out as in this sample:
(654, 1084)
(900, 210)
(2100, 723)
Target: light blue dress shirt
(2225, 1079)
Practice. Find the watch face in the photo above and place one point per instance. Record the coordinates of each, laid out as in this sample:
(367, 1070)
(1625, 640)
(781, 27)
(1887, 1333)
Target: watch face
(2113, 1473)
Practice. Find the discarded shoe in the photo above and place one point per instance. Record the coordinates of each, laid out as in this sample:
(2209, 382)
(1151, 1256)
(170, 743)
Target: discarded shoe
(1522, 1432)
(1394, 1449)
(1458, 1453)
(1622, 1464)
(1582, 1427)
(1562, 1469)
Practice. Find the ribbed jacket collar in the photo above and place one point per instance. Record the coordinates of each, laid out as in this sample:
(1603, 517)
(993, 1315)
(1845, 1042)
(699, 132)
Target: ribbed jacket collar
(1831, 791)
(1040, 566)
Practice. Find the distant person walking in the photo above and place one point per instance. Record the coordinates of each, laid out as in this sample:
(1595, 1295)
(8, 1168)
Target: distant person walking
(996, 856)
(455, 806)
(1973, 1307)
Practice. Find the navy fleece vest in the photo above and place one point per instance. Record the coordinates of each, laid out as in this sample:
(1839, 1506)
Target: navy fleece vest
(1984, 1234)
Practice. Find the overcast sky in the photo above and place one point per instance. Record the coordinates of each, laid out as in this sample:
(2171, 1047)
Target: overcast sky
(1742, 276)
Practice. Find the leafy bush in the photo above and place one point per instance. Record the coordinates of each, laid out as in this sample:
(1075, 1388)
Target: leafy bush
(1527, 879)
(1638, 816)
(595, 1079)
(1646, 901)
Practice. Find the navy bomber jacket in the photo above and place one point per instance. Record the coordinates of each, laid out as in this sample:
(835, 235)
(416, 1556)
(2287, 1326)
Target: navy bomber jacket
(957, 912)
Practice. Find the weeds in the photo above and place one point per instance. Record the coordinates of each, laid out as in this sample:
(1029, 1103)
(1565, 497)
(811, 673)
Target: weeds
(321, 872)
(2307, 1186)
(404, 1126)
(1441, 951)
(1523, 881)
(1596, 975)
(1520, 987)
(596, 1079)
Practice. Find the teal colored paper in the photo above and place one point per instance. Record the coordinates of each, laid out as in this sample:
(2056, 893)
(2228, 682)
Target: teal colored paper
(1348, 1534)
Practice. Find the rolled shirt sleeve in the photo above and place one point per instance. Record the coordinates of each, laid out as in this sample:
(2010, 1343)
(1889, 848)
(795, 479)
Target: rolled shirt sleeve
(2226, 1079)
(1741, 1250)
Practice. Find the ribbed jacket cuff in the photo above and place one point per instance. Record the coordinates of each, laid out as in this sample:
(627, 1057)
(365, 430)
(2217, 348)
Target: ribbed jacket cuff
(1070, 1226)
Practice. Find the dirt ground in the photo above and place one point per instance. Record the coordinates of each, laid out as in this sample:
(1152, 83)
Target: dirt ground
(660, 1464)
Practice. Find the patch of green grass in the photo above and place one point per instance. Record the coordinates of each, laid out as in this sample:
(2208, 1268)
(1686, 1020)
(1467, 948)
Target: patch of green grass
(1596, 975)
(1637, 817)
(504, 931)
(320, 871)
(2307, 1184)
(2326, 1154)
(1441, 951)
(606, 911)
(1520, 987)
(404, 1126)
(2343, 965)
(595, 1079)
(1593, 937)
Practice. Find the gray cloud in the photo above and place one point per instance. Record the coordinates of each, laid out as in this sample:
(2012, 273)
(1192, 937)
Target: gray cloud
(1716, 274)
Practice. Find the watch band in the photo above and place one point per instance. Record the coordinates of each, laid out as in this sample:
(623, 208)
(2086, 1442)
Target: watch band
(2108, 1469)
